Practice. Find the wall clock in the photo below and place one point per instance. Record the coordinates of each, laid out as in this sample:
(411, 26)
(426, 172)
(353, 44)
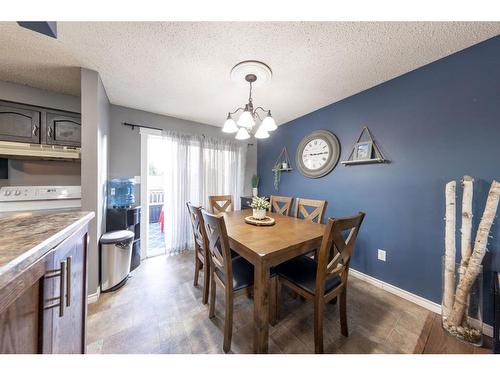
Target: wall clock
(318, 153)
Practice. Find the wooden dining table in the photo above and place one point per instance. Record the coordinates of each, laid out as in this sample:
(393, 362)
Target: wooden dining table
(266, 247)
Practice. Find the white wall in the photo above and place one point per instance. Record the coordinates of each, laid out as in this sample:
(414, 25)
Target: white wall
(95, 152)
(125, 143)
(40, 172)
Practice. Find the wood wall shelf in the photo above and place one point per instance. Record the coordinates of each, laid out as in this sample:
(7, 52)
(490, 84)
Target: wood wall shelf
(283, 169)
(374, 150)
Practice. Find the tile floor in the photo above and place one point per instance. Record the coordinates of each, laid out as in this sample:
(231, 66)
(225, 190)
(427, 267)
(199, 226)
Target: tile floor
(160, 311)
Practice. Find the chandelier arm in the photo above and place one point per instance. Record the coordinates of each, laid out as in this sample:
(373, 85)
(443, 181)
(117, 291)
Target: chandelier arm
(238, 109)
(256, 114)
(262, 109)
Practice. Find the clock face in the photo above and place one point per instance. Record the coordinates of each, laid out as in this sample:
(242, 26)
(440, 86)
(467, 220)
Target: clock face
(318, 153)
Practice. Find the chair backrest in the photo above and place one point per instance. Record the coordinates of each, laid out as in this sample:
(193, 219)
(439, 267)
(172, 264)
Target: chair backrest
(218, 247)
(281, 205)
(336, 249)
(221, 203)
(310, 209)
(200, 237)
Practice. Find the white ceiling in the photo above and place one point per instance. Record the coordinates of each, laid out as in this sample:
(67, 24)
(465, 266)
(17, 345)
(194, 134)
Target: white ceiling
(182, 69)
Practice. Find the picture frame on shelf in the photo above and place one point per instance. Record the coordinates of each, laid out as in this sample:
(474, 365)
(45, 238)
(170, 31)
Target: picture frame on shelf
(363, 150)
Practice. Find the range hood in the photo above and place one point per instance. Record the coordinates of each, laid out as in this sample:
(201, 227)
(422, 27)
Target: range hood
(16, 150)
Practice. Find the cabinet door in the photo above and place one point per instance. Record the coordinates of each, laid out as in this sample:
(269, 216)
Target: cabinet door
(19, 124)
(68, 325)
(21, 307)
(63, 130)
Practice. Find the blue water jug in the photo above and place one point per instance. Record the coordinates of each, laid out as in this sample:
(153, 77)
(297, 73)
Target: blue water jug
(121, 192)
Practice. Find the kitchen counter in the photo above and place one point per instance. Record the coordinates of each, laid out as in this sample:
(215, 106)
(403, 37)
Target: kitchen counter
(26, 237)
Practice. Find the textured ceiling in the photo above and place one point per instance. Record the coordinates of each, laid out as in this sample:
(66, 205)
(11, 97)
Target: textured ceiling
(182, 68)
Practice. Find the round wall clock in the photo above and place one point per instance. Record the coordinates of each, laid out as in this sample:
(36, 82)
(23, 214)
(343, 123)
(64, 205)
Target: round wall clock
(318, 153)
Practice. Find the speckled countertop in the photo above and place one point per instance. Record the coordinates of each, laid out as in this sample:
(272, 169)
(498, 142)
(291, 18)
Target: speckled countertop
(26, 237)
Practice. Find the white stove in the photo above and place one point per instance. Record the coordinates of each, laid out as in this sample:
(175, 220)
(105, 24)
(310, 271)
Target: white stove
(35, 198)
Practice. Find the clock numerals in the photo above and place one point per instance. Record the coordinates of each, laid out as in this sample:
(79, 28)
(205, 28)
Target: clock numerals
(315, 154)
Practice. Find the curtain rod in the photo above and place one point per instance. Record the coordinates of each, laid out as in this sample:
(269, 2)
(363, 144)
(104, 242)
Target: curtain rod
(153, 128)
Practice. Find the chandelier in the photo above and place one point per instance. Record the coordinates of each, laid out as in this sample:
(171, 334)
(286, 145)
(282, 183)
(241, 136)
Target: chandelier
(257, 121)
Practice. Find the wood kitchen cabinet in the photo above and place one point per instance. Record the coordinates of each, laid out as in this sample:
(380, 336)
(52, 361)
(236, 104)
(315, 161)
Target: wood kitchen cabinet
(44, 309)
(19, 123)
(62, 129)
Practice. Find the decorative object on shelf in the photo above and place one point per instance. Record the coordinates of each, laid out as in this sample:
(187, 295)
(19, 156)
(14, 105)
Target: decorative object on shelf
(260, 206)
(317, 154)
(365, 152)
(282, 164)
(252, 72)
(462, 283)
(255, 185)
(266, 221)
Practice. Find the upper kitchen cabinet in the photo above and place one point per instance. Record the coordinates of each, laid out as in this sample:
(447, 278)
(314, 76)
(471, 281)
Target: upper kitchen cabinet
(63, 129)
(19, 123)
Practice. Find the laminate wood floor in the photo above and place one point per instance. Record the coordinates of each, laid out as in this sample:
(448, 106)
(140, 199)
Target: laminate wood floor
(160, 311)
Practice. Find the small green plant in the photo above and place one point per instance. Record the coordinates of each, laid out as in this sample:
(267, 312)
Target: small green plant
(255, 181)
(277, 175)
(260, 203)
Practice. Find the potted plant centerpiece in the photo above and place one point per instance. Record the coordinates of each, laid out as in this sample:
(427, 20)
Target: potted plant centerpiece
(259, 205)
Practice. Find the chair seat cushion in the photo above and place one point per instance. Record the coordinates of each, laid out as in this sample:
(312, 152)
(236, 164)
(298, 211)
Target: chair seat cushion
(242, 273)
(302, 272)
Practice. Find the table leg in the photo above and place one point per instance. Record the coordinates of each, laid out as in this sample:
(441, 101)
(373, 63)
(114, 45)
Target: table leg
(261, 308)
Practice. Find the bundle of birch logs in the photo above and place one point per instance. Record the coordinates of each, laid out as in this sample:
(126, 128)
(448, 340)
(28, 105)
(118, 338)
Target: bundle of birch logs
(456, 301)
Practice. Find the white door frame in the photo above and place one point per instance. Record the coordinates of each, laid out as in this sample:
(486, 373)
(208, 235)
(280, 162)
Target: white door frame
(145, 133)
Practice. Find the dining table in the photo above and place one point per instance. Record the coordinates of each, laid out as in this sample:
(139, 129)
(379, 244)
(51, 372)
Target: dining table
(266, 247)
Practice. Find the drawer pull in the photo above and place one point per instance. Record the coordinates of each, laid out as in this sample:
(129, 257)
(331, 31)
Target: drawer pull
(35, 130)
(61, 273)
(68, 281)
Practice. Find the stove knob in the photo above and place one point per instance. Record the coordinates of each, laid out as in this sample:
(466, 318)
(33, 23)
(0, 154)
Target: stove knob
(18, 192)
(7, 193)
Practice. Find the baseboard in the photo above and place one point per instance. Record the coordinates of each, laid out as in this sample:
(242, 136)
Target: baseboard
(94, 297)
(425, 303)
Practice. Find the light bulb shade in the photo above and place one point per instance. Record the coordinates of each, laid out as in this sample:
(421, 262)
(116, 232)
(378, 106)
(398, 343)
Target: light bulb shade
(268, 123)
(246, 120)
(230, 126)
(242, 134)
(261, 132)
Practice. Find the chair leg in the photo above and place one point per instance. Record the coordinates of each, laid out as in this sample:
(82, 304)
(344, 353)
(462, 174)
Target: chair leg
(319, 307)
(211, 309)
(206, 282)
(272, 301)
(228, 321)
(278, 298)
(343, 312)
(196, 269)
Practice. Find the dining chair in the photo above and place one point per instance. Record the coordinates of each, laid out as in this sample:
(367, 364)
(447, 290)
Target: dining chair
(233, 275)
(221, 203)
(310, 209)
(281, 205)
(322, 281)
(201, 257)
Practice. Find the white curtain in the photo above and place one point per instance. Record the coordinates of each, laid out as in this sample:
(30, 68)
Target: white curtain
(195, 168)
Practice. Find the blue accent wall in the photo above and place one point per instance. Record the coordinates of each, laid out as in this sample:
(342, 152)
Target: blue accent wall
(434, 124)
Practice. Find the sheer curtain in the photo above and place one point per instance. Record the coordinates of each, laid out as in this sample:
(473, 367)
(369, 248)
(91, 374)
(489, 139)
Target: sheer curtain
(196, 167)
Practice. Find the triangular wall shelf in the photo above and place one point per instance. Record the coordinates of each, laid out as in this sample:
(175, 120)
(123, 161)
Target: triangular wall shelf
(371, 151)
(283, 158)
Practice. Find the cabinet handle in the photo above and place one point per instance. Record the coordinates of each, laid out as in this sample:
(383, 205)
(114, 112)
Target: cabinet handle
(68, 281)
(35, 130)
(61, 273)
(49, 132)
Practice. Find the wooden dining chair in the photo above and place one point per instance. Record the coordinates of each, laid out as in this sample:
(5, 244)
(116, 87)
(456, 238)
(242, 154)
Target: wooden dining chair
(221, 203)
(201, 257)
(281, 205)
(310, 209)
(233, 275)
(322, 281)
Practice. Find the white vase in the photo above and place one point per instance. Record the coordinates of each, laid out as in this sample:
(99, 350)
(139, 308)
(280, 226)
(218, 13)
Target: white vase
(259, 214)
(255, 192)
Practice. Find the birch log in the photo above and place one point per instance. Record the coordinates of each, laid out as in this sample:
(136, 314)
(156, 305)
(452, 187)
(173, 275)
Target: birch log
(450, 248)
(466, 238)
(474, 266)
